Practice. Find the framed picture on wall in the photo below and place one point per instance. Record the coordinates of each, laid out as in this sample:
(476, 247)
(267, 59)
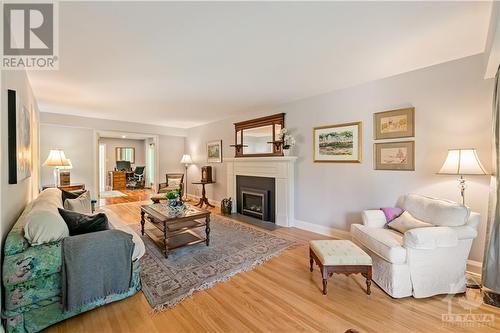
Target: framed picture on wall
(394, 124)
(214, 151)
(394, 156)
(338, 143)
(19, 143)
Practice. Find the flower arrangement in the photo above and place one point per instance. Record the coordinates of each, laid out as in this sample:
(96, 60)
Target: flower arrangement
(287, 139)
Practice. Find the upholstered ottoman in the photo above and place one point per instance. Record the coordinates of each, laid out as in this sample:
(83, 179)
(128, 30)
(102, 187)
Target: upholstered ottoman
(341, 257)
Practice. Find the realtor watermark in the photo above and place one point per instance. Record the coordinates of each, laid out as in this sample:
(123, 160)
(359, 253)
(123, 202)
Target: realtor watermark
(466, 314)
(30, 35)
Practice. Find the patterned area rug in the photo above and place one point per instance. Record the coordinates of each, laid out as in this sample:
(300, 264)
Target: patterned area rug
(233, 248)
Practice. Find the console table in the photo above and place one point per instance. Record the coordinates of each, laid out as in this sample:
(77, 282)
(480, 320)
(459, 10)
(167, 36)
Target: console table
(203, 199)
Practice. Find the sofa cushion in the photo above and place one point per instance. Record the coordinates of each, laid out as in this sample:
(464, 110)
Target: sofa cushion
(44, 226)
(81, 203)
(386, 243)
(439, 212)
(407, 222)
(430, 238)
(79, 224)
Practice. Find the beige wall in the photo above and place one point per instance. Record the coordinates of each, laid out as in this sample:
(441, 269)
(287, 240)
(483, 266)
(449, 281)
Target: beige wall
(112, 144)
(453, 106)
(14, 197)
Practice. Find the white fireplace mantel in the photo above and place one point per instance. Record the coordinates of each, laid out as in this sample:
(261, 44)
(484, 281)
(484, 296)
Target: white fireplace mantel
(281, 168)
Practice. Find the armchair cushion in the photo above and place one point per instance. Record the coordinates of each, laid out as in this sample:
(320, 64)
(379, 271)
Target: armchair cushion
(407, 222)
(439, 212)
(386, 243)
(374, 218)
(430, 238)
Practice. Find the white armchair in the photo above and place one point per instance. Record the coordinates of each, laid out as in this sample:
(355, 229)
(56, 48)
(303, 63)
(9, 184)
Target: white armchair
(422, 262)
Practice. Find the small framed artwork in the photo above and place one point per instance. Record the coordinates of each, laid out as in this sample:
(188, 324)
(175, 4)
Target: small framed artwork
(395, 156)
(394, 124)
(214, 151)
(338, 143)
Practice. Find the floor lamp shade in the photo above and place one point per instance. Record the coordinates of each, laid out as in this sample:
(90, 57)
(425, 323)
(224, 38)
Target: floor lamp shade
(186, 160)
(462, 162)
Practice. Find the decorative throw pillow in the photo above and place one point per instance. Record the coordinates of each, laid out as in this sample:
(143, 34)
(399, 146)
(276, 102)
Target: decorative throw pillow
(44, 226)
(391, 213)
(82, 224)
(407, 222)
(81, 204)
(71, 194)
(174, 182)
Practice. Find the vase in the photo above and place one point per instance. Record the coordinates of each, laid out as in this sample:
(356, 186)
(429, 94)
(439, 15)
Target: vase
(286, 152)
(172, 202)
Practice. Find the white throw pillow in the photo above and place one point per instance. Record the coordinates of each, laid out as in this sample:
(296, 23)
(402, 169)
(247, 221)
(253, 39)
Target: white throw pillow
(81, 205)
(174, 182)
(439, 212)
(407, 222)
(44, 226)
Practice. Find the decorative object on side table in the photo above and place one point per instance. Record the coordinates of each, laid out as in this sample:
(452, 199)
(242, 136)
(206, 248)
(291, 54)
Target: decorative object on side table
(394, 156)
(288, 141)
(19, 142)
(65, 174)
(206, 174)
(226, 206)
(462, 162)
(394, 124)
(338, 143)
(186, 160)
(56, 159)
(214, 151)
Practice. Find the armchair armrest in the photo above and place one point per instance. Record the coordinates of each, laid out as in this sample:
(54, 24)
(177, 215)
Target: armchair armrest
(374, 218)
(430, 238)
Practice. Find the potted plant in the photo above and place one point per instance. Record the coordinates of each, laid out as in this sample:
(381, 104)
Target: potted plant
(288, 141)
(172, 197)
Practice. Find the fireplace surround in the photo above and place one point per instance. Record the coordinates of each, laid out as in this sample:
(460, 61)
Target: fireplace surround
(280, 168)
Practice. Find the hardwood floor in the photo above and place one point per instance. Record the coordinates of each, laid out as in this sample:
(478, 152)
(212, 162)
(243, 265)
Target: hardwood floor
(281, 295)
(132, 196)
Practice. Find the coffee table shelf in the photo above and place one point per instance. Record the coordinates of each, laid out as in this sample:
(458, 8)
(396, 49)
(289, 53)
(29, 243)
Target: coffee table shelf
(170, 232)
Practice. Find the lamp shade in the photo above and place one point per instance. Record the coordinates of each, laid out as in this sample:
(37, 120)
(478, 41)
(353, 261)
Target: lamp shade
(57, 159)
(68, 167)
(186, 159)
(462, 162)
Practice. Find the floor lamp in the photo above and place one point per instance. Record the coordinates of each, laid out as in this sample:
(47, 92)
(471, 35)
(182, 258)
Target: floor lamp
(186, 160)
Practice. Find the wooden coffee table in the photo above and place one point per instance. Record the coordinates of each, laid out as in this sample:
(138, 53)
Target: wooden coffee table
(172, 231)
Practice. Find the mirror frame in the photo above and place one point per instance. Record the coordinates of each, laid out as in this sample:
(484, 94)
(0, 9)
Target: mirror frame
(117, 154)
(276, 119)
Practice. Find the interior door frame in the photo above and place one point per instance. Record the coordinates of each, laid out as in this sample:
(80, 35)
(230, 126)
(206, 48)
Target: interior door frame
(103, 134)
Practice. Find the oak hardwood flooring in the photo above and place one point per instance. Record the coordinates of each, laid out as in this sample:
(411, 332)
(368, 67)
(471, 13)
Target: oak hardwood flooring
(132, 196)
(280, 295)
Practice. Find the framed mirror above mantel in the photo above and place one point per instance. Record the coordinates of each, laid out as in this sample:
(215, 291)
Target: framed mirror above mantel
(259, 137)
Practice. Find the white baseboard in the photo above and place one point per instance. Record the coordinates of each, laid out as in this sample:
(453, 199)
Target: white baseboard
(474, 267)
(323, 230)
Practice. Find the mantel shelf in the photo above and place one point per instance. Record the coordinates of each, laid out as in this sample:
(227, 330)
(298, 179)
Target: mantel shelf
(262, 159)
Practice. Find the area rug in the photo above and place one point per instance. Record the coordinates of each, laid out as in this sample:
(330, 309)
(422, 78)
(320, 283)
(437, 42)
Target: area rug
(233, 248)
(111, 194)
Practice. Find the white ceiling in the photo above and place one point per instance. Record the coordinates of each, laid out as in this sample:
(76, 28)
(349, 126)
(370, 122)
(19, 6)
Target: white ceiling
(186, 64)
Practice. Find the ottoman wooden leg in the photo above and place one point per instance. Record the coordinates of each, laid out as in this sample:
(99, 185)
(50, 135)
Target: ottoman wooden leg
(325, 283)
(311, 263)
(325, 274)
(368, 276)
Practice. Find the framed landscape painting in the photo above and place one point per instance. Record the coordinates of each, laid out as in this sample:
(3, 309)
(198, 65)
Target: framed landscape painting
(338, 143)
(394, 124)
(214, 151)
(395, 156)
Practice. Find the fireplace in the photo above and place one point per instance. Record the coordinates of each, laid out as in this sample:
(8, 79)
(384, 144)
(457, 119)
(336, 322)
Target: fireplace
(256, 197)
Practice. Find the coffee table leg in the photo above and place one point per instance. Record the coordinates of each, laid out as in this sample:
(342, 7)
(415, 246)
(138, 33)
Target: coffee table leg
(142, 222)
(165, 251)
(207, 230)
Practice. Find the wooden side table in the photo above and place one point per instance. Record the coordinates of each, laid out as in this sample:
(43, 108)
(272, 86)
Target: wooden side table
(68, 188)
(203, 199)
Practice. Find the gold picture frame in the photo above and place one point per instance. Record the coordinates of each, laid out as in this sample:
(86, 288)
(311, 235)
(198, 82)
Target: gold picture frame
(398, 156)
(394, 124)
(341, 143)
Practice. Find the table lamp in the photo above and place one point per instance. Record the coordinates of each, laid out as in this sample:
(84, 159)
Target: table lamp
(462, 162)
(186, 160)
(56, 159)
